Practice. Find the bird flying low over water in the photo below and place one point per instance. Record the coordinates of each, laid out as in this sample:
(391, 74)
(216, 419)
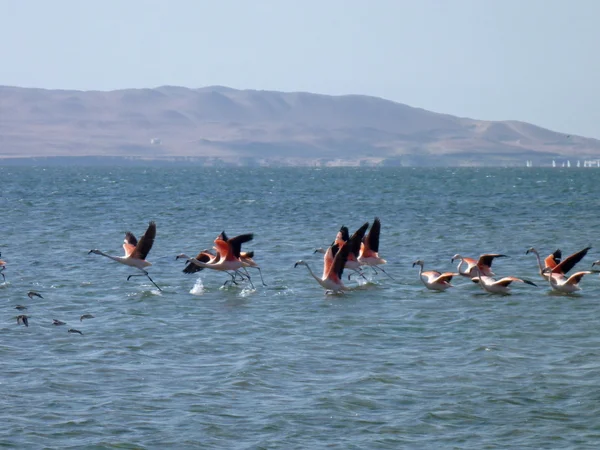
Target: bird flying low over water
(555, 271)
(369, 250)
(23, 320)
(32, 294)
(333, 268)
(434, 280)
(229, 258)
(482, 266)
(2, 268)
(556, 274)
(354, 242)
(135, 252)
(550, 261)
(500, 286)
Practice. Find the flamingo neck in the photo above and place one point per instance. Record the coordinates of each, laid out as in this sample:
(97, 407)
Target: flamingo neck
(313, 275)
(537, 255)
(114, 258)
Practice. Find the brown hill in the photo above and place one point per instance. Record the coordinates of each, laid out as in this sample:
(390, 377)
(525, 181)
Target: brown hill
(220, 124)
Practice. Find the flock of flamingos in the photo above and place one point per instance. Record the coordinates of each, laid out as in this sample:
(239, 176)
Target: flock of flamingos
(352, 253)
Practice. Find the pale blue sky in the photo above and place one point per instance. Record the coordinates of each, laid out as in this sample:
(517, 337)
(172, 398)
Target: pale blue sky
(530, 60)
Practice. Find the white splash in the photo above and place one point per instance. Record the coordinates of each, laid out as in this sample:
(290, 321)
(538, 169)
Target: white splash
(198, 288)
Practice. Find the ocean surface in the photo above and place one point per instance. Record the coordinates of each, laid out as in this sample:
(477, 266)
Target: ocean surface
(387, 365)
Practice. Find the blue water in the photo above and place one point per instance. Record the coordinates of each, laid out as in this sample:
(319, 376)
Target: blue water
(388, 365)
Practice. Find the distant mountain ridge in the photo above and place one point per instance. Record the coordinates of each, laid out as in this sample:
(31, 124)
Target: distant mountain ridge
(221, 125)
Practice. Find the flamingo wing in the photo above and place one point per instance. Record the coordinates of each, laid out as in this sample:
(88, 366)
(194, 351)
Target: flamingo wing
(222, 248)
(328, 260)
(446, 277)
(488, 258)
(235, 243)
(577, 276)
(204, 257)
(356, 239)
(553, 259)
(342, 236)
(372, 238)
(339, 261)
(507, 280)
(569, 262)
(129, 243)
(145, 243)
(431, 273)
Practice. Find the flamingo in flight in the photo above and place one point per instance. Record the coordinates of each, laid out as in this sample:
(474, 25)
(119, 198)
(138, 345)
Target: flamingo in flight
(369, 249)
(135, 252)
(333, 268)
(483, 265)
(557, 275)
(228, 258)
(2, 268)
(550, 261)
(354, 243)
(432, 279)
(500, 286)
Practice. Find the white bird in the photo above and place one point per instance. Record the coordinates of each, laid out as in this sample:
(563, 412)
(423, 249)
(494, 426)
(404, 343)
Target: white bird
(434, 280)
(500, 286)
(560, 283)
(135, 252)
(551, 260)
(483, 264)
(333, 268)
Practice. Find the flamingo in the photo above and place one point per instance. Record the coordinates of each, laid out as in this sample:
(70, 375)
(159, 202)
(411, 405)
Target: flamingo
(483, 264)
(354, 243)
(2, 267)
(556, 275)
(135, 252)
(434, 280)
(333, 268)
(369, 250)
(500, 286)
(560, 283)
(551, 260)
(229, 250)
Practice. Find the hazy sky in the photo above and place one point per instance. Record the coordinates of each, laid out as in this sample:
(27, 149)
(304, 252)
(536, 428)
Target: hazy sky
(531, 60)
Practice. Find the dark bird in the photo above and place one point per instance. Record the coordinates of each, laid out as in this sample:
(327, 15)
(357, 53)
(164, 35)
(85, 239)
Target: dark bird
(135, 252)
(20, 307)
(32, 294)
(86, 316)
(73, 330)
(58, 322)
(23, 320)
(2, 267)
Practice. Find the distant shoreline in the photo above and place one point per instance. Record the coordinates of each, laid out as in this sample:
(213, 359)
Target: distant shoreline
(132, 161)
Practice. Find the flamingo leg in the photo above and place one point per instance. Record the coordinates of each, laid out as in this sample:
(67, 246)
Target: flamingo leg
(146, 274)
(380, 268)
(358, 272)
(261, 277)
(232, 275)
